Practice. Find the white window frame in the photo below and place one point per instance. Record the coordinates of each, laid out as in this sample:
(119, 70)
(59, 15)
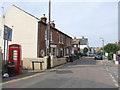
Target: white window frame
(59, 37)
(51, 36)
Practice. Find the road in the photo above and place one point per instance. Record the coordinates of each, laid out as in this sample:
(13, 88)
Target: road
(85, 73)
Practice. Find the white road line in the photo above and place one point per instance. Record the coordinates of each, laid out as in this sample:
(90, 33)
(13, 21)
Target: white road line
(116, 85)
(112, 77)
(114, 80)
(107, 69)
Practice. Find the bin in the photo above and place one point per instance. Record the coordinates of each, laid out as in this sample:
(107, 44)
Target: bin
(11, 68)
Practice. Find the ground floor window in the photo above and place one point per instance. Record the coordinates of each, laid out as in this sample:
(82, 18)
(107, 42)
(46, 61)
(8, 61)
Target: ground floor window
(54, 51)
(61, 52)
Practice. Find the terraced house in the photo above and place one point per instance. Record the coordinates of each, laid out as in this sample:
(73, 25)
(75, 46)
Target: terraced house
(31, 33)
(60, 42)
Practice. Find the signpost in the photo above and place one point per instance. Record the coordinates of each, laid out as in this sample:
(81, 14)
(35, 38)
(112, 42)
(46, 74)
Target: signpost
(7, 37)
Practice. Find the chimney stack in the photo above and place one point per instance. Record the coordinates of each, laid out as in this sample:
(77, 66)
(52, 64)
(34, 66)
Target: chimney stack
(44, 19)
(74, 37)
(52, 24)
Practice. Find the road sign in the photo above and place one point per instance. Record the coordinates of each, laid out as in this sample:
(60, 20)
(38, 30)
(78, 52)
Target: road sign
(7, 33)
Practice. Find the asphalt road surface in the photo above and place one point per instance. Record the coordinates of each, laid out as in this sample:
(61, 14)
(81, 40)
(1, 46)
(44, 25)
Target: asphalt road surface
(85, 73)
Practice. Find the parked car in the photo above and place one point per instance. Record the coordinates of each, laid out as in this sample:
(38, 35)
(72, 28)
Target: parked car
(98, 56)
(91, 54)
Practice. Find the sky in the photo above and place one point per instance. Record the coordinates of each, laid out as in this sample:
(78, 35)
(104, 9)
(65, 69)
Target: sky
(93, 19)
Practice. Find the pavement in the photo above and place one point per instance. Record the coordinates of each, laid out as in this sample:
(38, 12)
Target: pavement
(84, 73)
(26, 73)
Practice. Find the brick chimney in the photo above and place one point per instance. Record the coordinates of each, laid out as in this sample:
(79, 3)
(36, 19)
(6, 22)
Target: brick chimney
(44, 19)
(52, 24)
(75, 38)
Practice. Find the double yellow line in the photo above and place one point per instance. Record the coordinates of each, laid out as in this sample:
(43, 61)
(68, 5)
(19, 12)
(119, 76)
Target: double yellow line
(27, 77)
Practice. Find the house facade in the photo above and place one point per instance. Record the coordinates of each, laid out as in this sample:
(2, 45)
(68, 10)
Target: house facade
(83, 43)
(76, 45)
(30, 32)
(24, 30)
(60, 42)
(79, 44)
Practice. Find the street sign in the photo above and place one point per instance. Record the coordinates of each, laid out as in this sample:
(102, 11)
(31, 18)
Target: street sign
(7, 33)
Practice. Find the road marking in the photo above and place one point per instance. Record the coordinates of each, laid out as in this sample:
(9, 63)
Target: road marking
(116, 85)
(109, 74)
(114, 80)
(11, 81)
(107, 69)
(112, 77)
(117, 76)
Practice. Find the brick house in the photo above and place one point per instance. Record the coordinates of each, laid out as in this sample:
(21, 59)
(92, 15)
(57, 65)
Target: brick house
(33, 40)
(79, 44)
(76, 45)
(60, 42)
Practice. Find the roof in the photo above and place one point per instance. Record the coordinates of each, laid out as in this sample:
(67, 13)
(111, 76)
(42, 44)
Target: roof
(84, 41)
(55, 29)
(75, 41)
(26, 12)
(41, 21)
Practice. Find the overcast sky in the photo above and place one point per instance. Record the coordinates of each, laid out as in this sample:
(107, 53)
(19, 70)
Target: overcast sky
(90, 19)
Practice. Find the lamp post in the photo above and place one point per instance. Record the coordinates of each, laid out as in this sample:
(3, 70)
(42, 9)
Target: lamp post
(79, 46)
(102, 45)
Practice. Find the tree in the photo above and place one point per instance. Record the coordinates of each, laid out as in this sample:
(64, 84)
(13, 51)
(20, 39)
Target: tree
(111, 48)
(85, 50)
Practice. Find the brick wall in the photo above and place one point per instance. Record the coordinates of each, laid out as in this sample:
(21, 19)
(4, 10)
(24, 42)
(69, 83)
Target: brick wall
(61, 40)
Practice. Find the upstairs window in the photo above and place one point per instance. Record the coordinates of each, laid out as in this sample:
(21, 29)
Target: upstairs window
(46, 34)
(59, 37)
(51, 36)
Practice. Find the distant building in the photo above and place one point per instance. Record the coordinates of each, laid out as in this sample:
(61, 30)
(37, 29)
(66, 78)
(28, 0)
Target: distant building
(97, 49)
(76, 45)
(92, 50)
(79, 44)
(83, 43)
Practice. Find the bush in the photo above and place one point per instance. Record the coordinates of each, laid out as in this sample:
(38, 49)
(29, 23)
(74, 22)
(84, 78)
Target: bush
(111, 55)
(84, 54)
(76, 56)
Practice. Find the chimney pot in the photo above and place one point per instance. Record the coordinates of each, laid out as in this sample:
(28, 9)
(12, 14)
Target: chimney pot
(44, 19)
(52, 24)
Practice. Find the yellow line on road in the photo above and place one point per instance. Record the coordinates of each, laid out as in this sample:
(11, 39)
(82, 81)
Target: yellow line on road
(21, 79)
(11, 81)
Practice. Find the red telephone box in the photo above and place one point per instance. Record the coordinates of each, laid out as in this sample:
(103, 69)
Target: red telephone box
(14, 54)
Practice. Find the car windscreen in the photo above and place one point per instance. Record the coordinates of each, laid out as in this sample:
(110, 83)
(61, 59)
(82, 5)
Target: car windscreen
(98, 53)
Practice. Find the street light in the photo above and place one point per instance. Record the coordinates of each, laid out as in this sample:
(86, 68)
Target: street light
(79, 46)
(102, 44)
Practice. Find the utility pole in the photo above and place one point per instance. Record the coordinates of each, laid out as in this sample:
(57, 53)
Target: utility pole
(102, 44)
(3, 36)
(49, 37)
(5, 52)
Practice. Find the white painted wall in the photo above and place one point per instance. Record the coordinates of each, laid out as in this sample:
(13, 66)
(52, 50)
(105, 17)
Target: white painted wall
(82, 47)
(25, 29)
